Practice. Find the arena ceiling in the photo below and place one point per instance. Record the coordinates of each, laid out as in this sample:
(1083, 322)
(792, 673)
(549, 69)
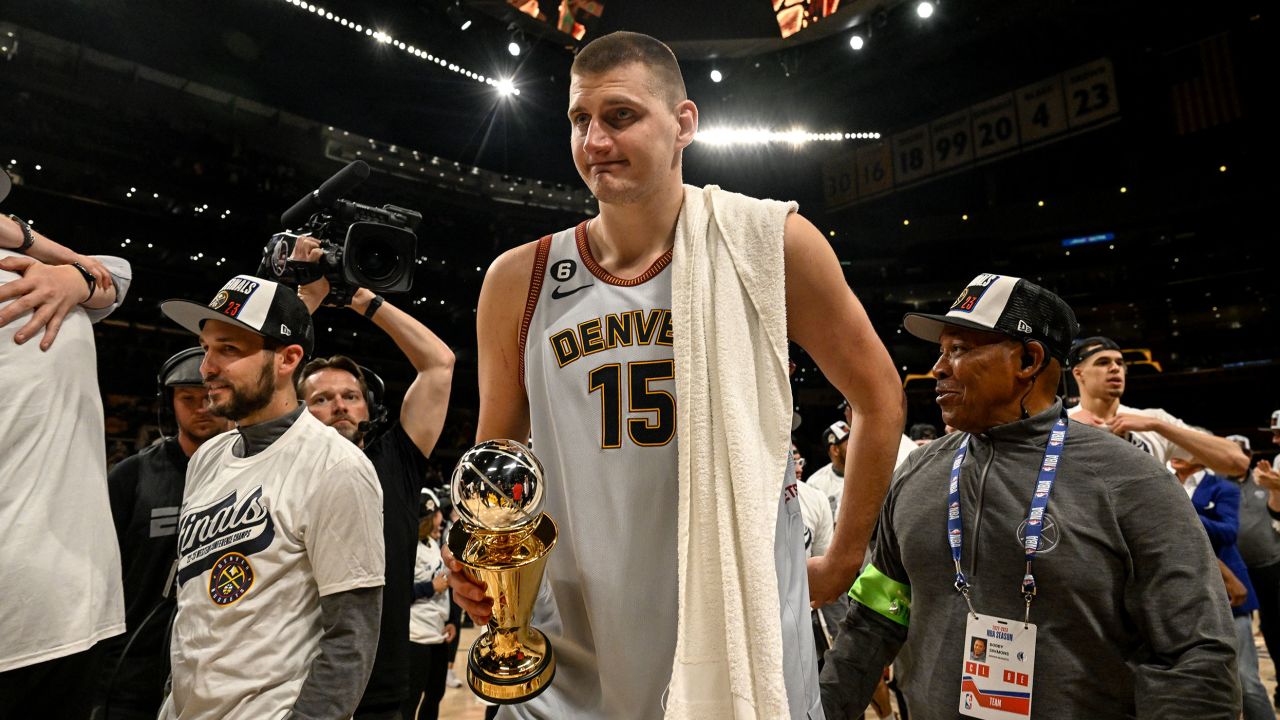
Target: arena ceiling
(272, 52)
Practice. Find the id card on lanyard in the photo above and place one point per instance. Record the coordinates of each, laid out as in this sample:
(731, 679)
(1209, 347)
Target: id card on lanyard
(998, 664)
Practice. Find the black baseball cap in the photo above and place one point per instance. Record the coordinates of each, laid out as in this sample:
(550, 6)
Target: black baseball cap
(261, 306)
(1006, 305)
(1084, 348)
(183, 368)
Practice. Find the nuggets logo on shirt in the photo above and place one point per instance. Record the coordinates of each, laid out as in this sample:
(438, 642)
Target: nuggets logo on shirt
(231, 578)
(1050, 533)
(208, 534)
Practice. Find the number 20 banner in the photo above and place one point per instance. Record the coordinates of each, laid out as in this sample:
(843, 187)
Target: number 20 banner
(1038, 113)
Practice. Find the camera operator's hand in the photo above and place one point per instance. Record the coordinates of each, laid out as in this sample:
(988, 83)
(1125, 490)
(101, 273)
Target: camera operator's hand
(360, 300)
(307, 249)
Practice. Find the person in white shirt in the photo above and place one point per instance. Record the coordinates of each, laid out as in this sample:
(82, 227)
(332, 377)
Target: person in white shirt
(830, 477)
(280, 548)
(433, 617)
(1099, 370)
(59, 561)
(815, 511)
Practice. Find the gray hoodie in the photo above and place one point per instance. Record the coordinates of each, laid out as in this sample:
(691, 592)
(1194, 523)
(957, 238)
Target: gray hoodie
(1132, 616)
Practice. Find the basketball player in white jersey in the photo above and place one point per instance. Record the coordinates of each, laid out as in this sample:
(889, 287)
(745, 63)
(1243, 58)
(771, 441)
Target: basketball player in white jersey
(575, 350)
(1099, 370)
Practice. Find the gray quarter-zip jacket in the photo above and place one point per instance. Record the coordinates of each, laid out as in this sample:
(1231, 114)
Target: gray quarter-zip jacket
(1133, 620)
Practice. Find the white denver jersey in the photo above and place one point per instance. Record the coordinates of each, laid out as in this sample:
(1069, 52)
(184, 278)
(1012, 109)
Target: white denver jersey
(598, 364)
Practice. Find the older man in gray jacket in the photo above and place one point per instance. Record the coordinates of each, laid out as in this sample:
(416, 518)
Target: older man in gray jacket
(1071, 554)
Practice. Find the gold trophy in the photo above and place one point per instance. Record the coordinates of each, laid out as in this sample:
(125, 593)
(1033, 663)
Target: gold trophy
(502, 539)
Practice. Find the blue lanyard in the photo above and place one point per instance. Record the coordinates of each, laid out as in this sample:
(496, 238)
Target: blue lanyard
(1035, 516)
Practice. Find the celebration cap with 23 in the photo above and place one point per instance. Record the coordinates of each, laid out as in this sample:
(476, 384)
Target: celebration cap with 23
(1006, 305)
(260, 306)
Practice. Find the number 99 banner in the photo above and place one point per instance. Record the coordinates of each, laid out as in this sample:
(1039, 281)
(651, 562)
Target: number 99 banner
(1038, 113)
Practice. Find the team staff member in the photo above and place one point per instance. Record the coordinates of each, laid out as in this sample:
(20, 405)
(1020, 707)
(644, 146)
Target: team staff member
(612, 463)
(280, 552)
(336, 391)
(1048, 521)
(435, 618)
(1099, 371)
(59, 561)
(146, 495)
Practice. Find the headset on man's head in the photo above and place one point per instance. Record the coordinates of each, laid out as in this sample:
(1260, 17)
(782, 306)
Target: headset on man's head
(375, 391)
(165, 417)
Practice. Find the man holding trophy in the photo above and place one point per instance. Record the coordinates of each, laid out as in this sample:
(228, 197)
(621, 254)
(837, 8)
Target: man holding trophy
(592, 342)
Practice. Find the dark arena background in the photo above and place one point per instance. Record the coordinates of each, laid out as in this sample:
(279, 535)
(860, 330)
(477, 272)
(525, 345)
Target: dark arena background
(1118, 153)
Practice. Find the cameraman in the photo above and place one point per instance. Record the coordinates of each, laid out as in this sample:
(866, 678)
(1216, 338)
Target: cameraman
(336, 392)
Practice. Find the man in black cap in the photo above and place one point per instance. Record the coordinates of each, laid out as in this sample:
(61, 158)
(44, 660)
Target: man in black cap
(1099, 370)
(1101, 601)
(146, 495)
(280, 552)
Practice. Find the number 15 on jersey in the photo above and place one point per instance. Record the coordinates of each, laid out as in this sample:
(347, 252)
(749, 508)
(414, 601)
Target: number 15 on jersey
(651, 412)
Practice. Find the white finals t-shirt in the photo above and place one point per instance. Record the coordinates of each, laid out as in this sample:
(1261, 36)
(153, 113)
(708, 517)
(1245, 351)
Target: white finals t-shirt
(1149, 441)
(60, 586)
(260, 540)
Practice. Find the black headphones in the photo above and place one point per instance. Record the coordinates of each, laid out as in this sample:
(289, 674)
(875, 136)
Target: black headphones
(164, 397)
(1028, 360)
(375, 390)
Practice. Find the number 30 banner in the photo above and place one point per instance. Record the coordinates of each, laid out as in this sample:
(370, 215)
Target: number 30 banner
(1042, 112)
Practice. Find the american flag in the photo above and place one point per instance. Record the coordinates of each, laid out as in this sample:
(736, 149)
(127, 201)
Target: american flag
(1203, 85)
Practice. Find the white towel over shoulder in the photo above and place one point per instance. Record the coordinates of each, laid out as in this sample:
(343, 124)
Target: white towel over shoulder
(733, 419)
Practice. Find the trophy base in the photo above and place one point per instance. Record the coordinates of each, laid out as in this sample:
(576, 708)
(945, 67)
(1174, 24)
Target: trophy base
(510, 689)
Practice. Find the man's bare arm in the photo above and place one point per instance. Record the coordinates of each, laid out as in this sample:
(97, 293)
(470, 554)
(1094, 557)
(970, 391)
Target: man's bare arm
(826, 319)
(427, 400)
(504, 406)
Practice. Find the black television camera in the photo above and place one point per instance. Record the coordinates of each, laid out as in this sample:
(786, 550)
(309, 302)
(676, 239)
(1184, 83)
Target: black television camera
(363, 246)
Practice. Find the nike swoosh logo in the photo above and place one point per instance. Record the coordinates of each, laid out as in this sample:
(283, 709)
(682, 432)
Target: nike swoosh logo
(556, 294)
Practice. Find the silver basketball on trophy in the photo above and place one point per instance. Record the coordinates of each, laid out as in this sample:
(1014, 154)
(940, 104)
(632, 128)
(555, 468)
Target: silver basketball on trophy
(502, 540)
(498, 485)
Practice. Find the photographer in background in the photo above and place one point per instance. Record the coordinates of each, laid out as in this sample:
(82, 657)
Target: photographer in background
(59, 562)
(146, 497)
(337, 393)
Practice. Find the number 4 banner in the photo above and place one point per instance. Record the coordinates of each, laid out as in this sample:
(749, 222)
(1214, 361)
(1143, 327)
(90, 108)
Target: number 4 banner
(1044, 111)
(1041, 110)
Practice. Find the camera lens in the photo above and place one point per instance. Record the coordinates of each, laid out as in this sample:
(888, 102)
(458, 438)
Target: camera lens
(377, 260)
